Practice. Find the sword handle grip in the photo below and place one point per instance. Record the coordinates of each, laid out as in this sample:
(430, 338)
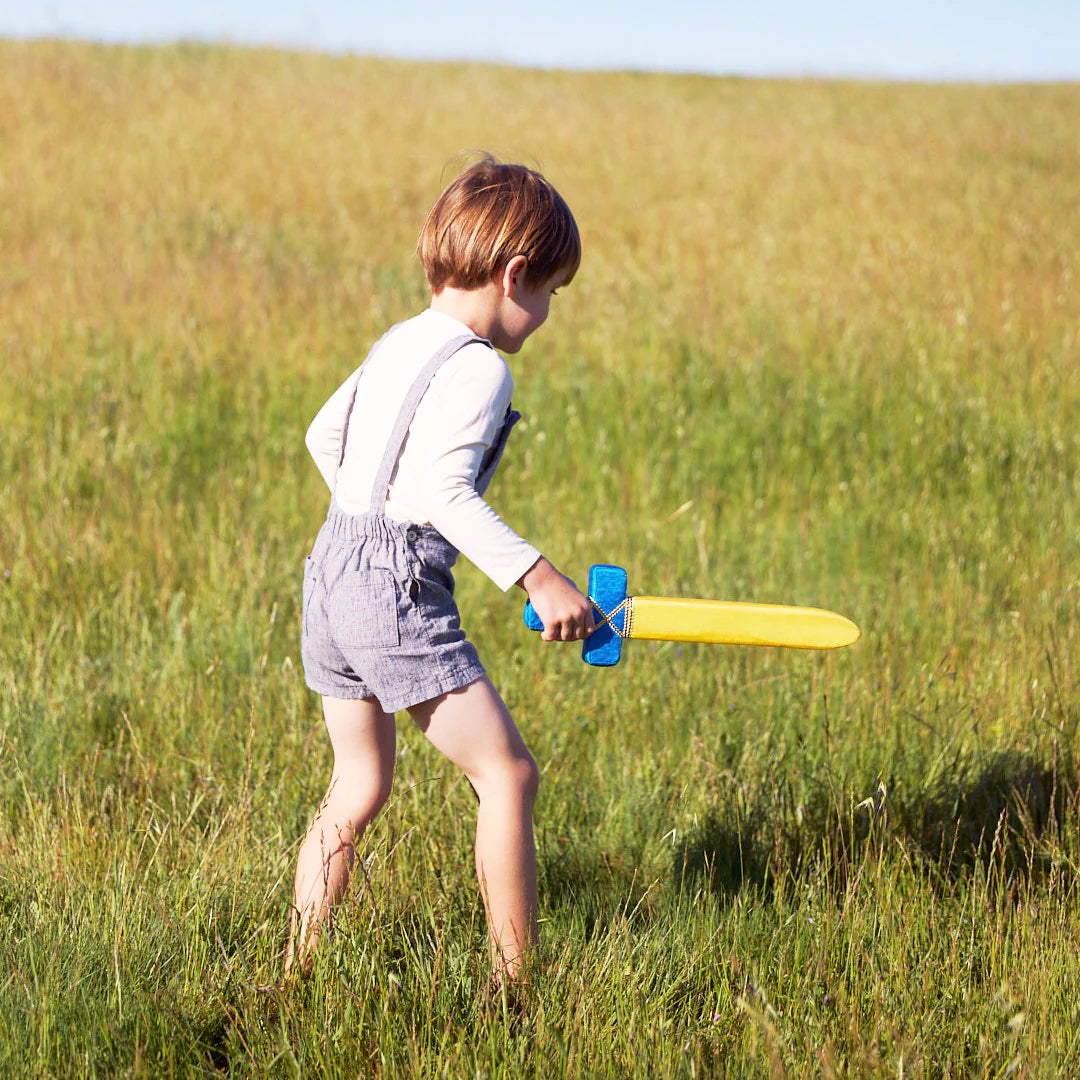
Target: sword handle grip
(607, 589)
(532, 620)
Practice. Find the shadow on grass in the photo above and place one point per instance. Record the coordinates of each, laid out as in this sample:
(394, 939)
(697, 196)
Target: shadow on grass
(600, 886)
(1007, 810)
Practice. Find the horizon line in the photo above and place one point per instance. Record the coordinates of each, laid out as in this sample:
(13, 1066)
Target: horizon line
(211, 41)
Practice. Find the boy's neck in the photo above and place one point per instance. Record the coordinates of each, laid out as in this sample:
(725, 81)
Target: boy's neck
(476, 308)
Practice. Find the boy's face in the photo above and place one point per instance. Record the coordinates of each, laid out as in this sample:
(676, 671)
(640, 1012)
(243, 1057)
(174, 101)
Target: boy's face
(524, 310)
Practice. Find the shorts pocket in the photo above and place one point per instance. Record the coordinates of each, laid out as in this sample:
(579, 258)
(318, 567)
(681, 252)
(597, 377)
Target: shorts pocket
(363, 610)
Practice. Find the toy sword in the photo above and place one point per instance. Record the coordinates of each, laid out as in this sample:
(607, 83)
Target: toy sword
(723, 622)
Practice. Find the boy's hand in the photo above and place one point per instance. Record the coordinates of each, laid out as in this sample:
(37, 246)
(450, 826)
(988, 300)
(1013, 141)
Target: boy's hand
(564, 610)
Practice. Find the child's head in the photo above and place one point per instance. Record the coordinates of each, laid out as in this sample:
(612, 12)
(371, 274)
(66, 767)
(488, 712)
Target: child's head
(489, 214)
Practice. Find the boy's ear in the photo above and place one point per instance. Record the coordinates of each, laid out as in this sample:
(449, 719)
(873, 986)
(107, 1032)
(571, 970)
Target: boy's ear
(513, 275)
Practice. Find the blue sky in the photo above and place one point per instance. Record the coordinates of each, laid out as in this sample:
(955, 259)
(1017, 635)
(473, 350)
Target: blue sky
(983, 40)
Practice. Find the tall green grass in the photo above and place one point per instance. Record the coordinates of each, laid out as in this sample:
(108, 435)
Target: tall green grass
(822, 350)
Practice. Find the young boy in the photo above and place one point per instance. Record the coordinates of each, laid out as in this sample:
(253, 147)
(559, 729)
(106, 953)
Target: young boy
(407, 446)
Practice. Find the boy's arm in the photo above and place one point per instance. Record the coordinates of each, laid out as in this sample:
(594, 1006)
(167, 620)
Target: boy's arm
(473, 527)
(460, 417)
(463, 413)
(459, 512)
(323, 438)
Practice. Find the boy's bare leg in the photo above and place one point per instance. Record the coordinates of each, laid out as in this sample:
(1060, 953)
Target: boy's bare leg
(363, 739)
(474, 729)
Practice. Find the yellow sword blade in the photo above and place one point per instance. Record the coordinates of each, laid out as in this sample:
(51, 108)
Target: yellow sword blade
(726, 622)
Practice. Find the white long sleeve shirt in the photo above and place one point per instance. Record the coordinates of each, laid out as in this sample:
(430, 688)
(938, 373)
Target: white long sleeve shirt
(458, 419)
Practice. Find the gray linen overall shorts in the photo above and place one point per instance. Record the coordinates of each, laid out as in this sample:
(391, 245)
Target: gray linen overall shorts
(379, 615)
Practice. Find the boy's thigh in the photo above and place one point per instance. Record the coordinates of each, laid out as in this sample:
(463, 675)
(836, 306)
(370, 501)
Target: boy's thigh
(360, 731)
(473, 728)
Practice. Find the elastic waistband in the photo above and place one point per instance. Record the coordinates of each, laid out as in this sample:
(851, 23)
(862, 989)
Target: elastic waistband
(344, 526)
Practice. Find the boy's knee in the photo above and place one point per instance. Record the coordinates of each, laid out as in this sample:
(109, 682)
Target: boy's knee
(362, 798)
(516, 778)
(379, 790)
(526, 776)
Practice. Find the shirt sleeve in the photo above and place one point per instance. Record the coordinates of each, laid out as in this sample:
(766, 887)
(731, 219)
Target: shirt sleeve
(324, 436)
(465, 408)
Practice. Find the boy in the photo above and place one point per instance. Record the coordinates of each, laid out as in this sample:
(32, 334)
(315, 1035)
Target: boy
(407, 446)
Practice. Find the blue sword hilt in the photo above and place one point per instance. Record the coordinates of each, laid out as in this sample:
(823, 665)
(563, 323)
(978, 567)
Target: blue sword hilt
(607, 591)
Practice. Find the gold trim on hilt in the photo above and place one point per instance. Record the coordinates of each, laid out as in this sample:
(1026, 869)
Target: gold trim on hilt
(607, 617)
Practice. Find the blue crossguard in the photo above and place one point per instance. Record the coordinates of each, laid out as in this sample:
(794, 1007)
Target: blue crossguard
(607, 591)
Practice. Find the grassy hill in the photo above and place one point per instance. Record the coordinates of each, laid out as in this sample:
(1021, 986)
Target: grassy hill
(823, 349)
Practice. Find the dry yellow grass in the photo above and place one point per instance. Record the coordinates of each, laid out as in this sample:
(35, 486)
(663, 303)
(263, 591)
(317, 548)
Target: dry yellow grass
(147, 190)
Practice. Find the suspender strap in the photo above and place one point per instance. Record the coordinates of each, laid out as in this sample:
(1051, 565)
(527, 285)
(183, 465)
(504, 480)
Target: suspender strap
(405, 417)
(495, 453)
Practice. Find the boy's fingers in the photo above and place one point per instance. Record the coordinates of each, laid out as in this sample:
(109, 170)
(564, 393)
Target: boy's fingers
(576, 627)
(560, 631)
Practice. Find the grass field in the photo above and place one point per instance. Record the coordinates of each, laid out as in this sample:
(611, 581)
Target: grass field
(823, 349)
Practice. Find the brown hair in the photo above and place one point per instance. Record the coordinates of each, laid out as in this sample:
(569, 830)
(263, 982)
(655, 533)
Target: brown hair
(489, 214)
